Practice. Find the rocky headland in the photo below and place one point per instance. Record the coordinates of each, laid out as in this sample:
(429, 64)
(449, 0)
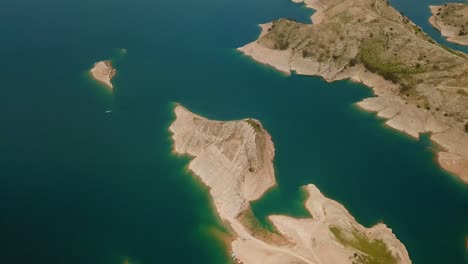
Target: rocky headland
(420, 85)
(235, 160)
(452, 21)
(103, 72)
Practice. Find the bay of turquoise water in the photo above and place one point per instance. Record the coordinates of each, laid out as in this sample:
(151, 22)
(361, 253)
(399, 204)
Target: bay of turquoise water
(78, 185)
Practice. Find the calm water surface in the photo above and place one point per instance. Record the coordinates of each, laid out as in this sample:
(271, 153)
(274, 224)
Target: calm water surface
(78, 185)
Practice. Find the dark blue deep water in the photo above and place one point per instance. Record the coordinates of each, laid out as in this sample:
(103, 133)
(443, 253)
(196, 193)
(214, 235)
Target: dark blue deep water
(78, 185)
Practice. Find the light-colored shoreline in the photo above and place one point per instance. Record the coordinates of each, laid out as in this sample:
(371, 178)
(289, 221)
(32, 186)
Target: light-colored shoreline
(235, 160)
(449, 32)
(401, 114)
(103, 72)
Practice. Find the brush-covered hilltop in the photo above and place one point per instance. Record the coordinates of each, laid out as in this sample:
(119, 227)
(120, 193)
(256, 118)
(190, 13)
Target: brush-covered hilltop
(235, 160)
(452, 21)
(420, 86)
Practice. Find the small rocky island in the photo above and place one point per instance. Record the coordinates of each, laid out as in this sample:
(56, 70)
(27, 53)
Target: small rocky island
(103, 72)
(235, 160)
(452, 21)
(420, 85)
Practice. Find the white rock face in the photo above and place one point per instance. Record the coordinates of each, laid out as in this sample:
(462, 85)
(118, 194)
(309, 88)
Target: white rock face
(446, 25)
(234, 159)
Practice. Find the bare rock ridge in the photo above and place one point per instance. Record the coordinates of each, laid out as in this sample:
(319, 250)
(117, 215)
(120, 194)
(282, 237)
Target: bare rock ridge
(103, 72)
(420, 86)
(235, 160)
(452, 21)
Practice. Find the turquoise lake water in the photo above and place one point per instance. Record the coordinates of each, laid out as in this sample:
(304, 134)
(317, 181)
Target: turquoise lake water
(78, 185)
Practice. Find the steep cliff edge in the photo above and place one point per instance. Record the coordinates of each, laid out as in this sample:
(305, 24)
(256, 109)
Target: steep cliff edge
(235, 160)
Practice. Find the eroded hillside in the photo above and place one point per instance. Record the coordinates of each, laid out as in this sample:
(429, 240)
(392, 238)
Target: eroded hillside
(421, 85)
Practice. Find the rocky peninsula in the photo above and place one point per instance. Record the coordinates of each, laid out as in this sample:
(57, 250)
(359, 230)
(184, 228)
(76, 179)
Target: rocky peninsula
(235, 160)
(103, 72)
(420, 85)
(452, 21)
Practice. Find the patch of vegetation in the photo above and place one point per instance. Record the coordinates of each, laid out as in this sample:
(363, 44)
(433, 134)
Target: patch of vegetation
(255, 125)
(372, 55)
(462, 92)
(374, 251)
(280, 33)
(281, 43)
(353, 62)
(251, 222)
(456, 53)
(405, 88)
(419, 33)
(463, 32)
(256, 229)
(466, 127)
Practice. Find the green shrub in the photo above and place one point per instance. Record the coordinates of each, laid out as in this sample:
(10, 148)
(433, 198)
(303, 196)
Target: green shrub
(375, 250)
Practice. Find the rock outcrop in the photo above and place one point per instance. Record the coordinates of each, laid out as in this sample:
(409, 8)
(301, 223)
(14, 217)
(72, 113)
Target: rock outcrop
(103, 72)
